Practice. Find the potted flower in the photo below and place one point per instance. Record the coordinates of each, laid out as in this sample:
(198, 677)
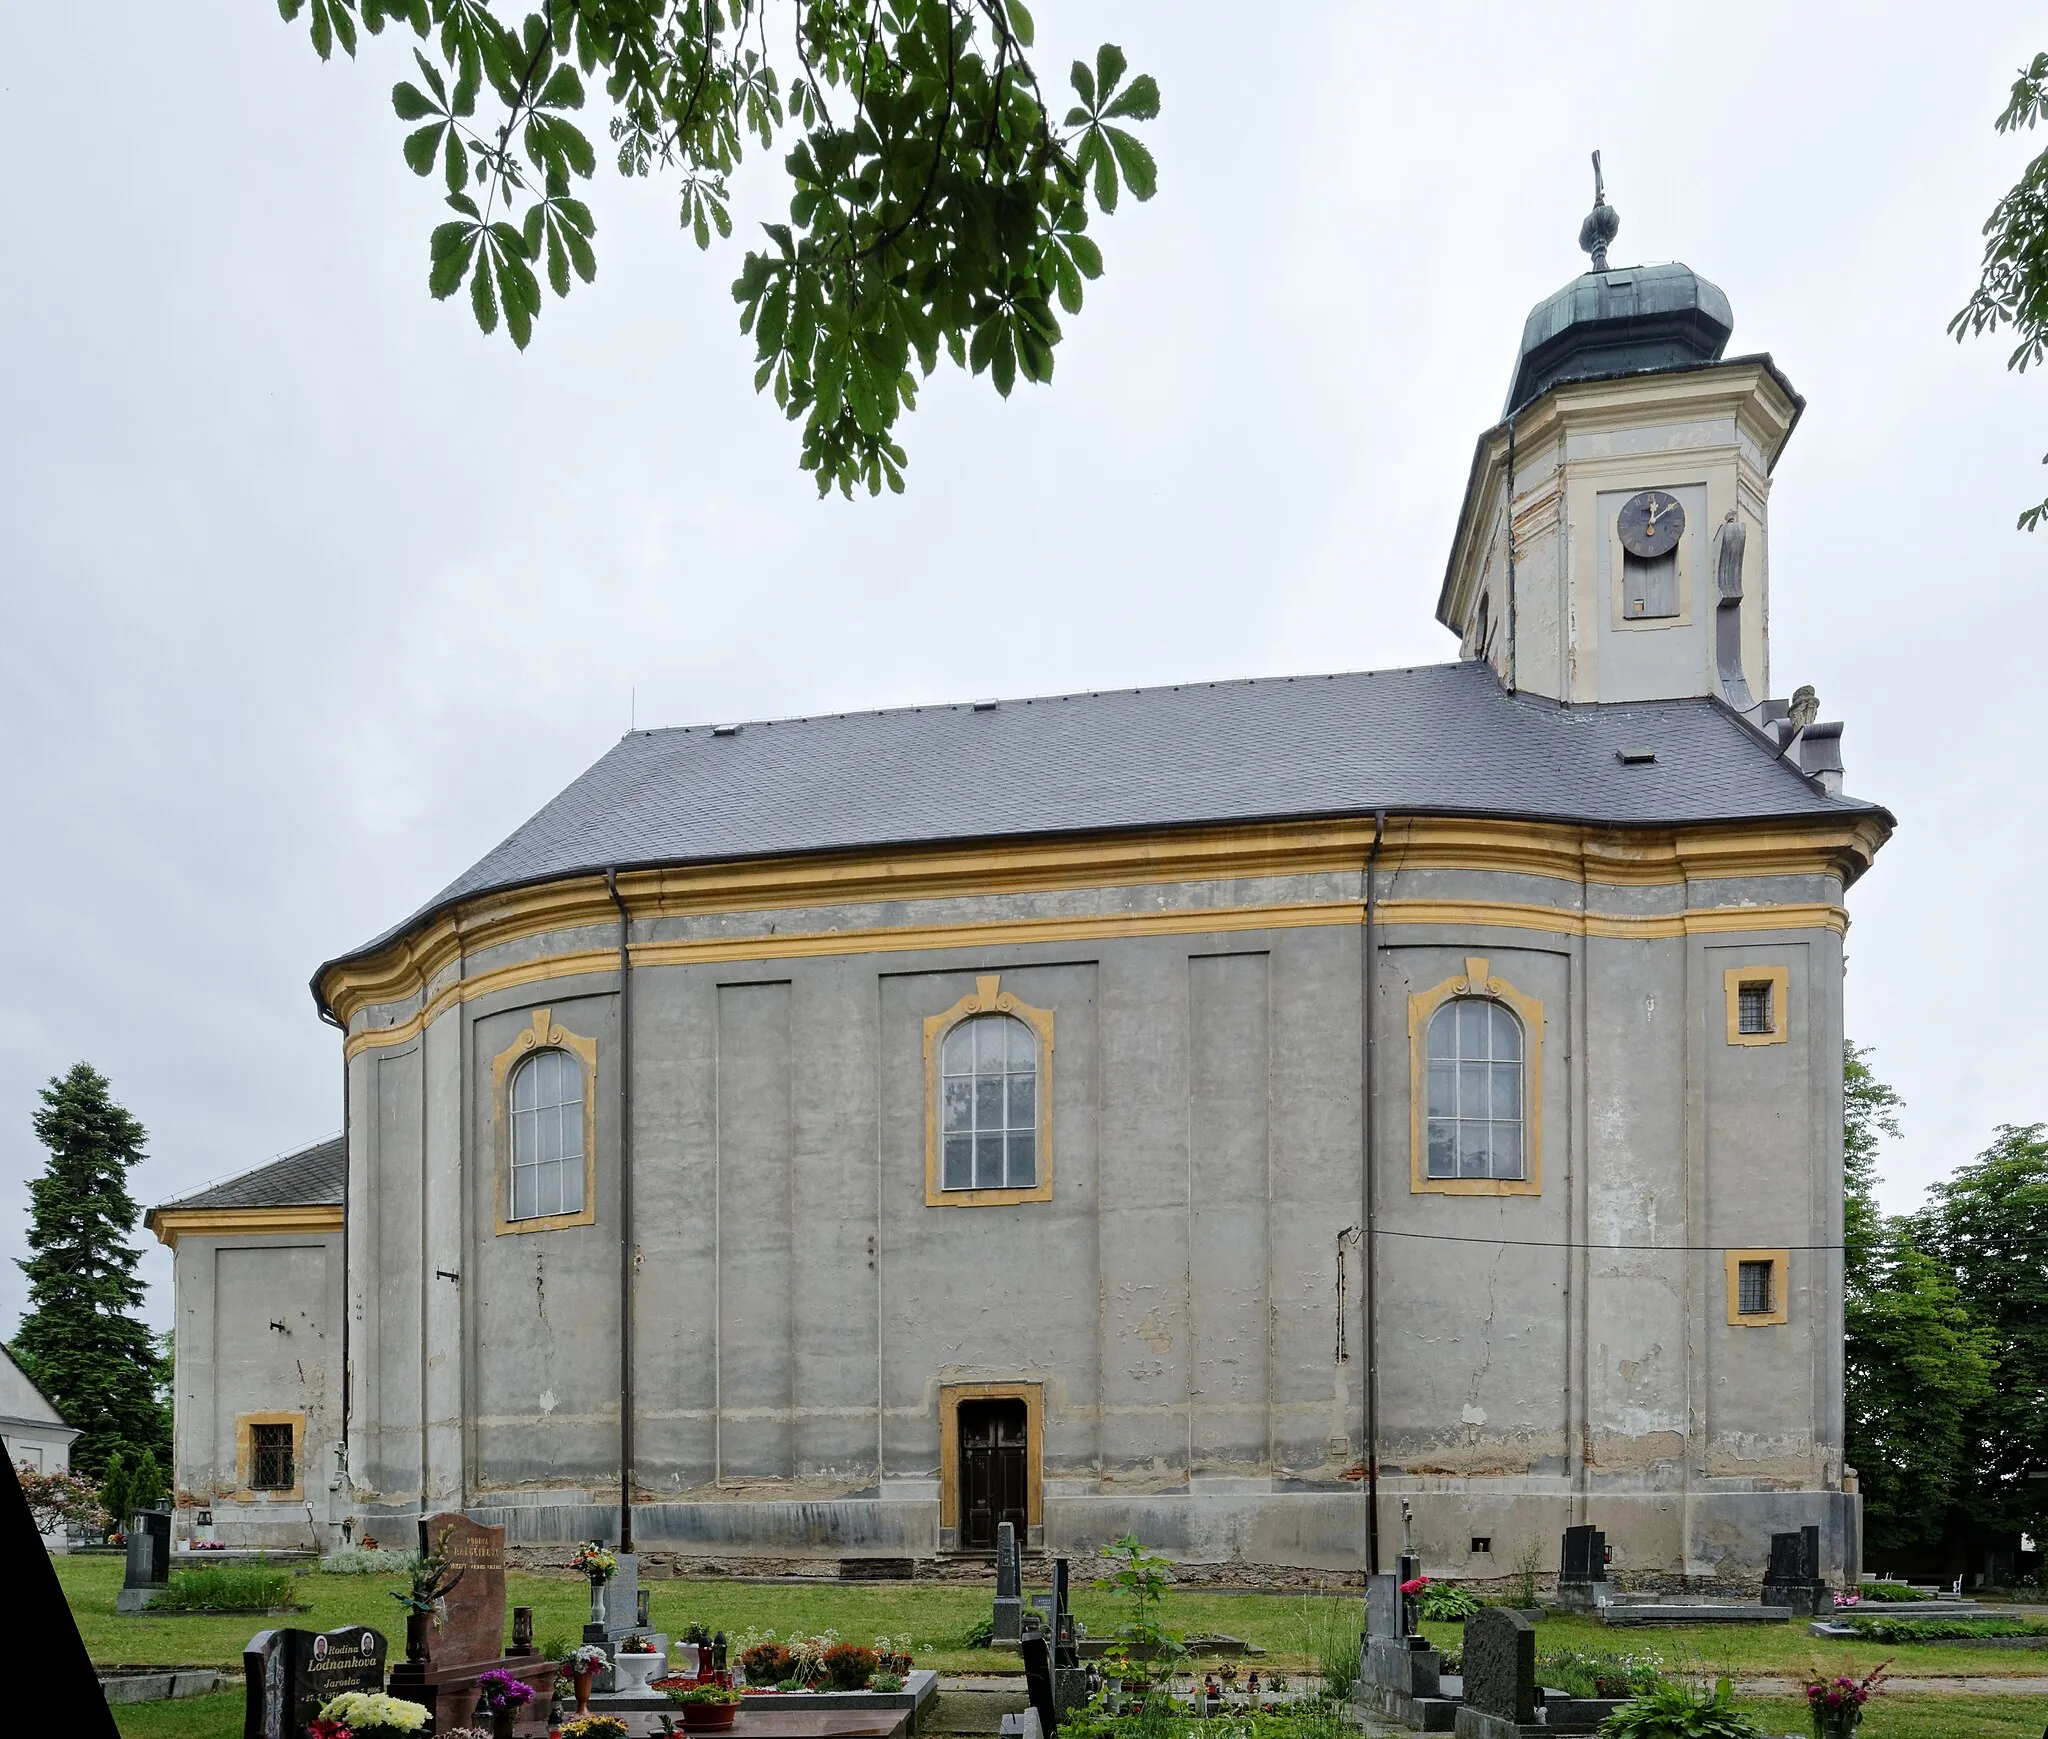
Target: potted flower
(373, 1715)
(428, 1581)
(579, 1667)
(1835, 1706)
(636, 1662)
(706, 1706)
(594, 1727)
(501, 1696)
(597, 1566)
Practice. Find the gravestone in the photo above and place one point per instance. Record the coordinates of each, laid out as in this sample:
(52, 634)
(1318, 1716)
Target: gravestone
(1009, 1612)
(263, 1682)
(1500, 1671)
(1582, 1569)
(149, 1560)
(1038, 1681)
(465, 1638)
(1794, 1578)
(289, 1674)
(1396, 1661)
(470, 1626)
(622, 1600)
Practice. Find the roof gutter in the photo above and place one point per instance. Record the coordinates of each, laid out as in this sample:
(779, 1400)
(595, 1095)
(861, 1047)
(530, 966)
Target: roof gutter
(625, 1074)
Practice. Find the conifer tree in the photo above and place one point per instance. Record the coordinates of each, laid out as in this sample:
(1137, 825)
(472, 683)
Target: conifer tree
(81, 1342)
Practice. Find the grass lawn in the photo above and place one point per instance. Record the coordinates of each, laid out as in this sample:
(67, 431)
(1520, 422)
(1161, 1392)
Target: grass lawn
(1919, 1717)
(937, 1616)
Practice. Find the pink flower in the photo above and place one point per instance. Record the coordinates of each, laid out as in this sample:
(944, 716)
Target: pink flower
(1416, 1586)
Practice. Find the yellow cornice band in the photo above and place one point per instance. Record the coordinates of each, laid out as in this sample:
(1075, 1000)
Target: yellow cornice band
(171, 1224)
(1088, 928)
(1574, 854)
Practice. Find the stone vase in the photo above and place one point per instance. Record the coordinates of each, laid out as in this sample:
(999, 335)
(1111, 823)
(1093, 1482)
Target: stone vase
(583, 1693)
(501, 1723)
(415, 1636)
(597, 1603)
(630, 1672)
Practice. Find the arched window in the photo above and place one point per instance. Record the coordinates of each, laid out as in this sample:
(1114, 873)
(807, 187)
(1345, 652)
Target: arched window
(1475, 1090)
(988, 1089)
(547, 1136)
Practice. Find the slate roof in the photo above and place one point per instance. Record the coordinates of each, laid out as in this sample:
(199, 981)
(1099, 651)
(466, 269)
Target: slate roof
(313, 1177)
(1441, 739)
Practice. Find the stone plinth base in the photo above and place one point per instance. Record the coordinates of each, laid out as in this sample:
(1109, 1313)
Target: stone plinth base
(449, 1693)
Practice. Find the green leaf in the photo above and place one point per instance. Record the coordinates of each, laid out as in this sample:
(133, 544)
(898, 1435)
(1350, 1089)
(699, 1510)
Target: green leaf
(456, 167)
(1084, 82)
(558, 261)
(564, 90)
(1139, 102)
(420, 148)
(1140, 172)
(411, 102)
(482, 297)
(1086, 255)
(452, 248)
(1026, 31)
(1110, 66)
(1069, 282)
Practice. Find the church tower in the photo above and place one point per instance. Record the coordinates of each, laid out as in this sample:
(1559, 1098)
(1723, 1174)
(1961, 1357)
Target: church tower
(1614, 542)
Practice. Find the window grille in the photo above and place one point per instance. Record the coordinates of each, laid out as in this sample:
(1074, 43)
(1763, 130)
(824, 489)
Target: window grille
(988, 1087)
(1753, 1288)
(1753, 1013)
(1475, 1091)
(547, 1136)
(270, 1458)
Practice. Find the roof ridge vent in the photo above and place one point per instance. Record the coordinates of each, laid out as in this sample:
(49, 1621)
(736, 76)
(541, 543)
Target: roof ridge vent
(725, 730)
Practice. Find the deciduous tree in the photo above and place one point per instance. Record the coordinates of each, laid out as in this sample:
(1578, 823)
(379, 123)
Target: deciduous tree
(2012, 289)
(1915, 1361)
(934, 202)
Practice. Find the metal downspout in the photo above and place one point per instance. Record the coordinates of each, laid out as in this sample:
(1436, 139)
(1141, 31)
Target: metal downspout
(347, 1376)
(625, 1067)
(1368, 983)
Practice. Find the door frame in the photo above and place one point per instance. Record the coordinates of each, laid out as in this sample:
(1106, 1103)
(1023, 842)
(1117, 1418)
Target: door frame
(950, 1397)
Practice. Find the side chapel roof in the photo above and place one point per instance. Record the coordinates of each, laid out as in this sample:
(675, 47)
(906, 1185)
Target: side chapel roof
(313, 1177)
(1444, 739)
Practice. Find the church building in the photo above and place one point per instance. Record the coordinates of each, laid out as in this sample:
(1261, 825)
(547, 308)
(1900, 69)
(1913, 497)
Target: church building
(1180, 1111)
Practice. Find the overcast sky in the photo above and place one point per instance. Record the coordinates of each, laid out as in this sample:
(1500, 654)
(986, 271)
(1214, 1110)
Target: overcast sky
(312, 594)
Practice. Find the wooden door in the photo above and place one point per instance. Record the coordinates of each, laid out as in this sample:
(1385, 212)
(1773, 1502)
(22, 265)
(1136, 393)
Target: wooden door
(992, 1472)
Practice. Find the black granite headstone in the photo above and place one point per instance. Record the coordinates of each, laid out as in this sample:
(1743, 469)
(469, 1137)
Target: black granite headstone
(149, 1559)
(1009, 1610)
(1585, 1555)
(1793, 1578)
(1500, 1664)
(1038, 1681)
(1383, 1606)
(263, 1686)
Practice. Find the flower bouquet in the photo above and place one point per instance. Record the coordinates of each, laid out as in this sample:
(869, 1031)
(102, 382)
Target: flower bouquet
(1835, 1706)
(579, 1667)
(501, 1696)
(373, 1715)
(594, 1727)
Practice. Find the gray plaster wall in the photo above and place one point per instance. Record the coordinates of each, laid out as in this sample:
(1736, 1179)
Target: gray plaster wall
(233, 1360)
(1543, 1359)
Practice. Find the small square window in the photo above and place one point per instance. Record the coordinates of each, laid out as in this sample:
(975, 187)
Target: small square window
(270, 1458)
(1482, 1545)
(1754, 1013)
(1755, 1289)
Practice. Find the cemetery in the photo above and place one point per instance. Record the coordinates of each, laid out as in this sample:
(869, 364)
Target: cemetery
(1059, 1644)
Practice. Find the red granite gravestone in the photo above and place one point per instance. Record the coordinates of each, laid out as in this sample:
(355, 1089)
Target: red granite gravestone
(466, 1638)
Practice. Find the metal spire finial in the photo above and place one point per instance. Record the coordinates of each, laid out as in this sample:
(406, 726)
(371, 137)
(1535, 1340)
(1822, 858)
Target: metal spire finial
(1602, 223)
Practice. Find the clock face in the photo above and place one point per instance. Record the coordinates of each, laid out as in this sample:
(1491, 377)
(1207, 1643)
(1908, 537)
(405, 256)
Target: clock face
(1651, 523)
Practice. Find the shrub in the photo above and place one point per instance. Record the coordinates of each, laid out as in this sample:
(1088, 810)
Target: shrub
(1443, 1603)
(354, 1561)
(980, 1634)
(765, 1663)
(258, 1589)
(848, 1666)
(1887, 1591)
(1896, 1630)
(1676, 1710)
